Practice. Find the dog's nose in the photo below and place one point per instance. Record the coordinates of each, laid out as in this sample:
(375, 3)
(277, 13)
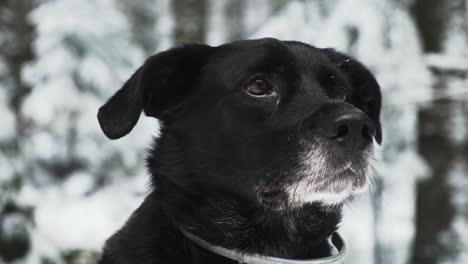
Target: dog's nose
(352, 128)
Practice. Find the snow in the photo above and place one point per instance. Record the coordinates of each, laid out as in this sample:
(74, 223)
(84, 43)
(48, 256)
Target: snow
(444, 61)
(395, 227)
(81, 52)
(456, 41)
(6, 170)
(12, 225)
(81, 61)
(7, 132)
(217, 35)
(7, 118)
(41, 248)
(359, 238)
(71, 220)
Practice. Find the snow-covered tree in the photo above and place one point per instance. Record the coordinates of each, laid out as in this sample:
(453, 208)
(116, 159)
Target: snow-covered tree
(84, 51)
(16, 33)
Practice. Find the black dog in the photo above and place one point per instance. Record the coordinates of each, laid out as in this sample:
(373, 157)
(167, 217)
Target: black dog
(261, 143)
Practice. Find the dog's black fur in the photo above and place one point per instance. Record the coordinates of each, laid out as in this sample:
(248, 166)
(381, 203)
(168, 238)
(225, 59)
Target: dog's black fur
(224, 154)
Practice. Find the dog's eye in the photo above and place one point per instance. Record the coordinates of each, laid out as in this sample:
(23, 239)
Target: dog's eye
(335, 89)
(259, 87)
(339, 93)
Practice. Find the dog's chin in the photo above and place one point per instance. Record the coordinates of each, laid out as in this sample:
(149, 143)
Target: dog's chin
(341, 188)
(332, 197)
(337, 191)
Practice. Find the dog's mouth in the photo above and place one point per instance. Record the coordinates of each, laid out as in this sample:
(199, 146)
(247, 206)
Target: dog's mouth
(354, 174)
(332, 190)
(329, 189)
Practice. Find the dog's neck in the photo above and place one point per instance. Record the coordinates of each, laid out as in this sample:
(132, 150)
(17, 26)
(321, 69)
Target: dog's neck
(229, 223)
(224, 219)
(336, 242)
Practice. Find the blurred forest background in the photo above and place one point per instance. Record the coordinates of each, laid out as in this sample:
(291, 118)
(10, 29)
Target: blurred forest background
(64, 187)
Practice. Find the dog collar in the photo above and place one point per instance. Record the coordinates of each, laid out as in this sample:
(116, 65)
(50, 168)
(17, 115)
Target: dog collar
(335, 240)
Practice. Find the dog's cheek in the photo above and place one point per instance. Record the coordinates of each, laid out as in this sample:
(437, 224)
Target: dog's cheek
(248, 108)
(311, 177)
(273, 200)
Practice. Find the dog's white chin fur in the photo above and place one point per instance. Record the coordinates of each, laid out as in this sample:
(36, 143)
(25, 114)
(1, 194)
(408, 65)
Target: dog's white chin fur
(300, 194)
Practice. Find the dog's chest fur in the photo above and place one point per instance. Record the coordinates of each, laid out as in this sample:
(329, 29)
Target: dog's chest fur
(150, 236)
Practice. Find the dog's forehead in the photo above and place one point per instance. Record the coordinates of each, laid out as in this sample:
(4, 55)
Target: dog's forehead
(266, 55)
(241, 59)
(307, 55)
(255, 45)
(251, 53)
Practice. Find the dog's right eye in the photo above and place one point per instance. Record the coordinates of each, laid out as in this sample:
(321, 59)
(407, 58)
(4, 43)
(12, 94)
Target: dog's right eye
(334, 88)
(259, 87)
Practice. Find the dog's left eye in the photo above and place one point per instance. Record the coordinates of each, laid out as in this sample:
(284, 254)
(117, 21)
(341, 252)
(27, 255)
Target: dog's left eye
(259, 87)
(335, 89)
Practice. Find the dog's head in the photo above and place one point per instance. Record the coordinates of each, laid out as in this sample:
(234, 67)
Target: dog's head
(278, 123)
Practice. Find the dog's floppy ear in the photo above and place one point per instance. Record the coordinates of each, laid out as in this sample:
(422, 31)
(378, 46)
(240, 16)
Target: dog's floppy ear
(160, 84)
(365, 88)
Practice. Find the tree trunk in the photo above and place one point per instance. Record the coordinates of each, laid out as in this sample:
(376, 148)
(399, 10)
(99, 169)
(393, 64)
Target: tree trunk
(435, 209)
(432, 18)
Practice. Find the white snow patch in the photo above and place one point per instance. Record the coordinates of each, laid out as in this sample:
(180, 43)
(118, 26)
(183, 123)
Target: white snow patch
(360, 238)
(7, 119)
(444, 61)
(6, 169)
(164, 24)
(70, 220)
